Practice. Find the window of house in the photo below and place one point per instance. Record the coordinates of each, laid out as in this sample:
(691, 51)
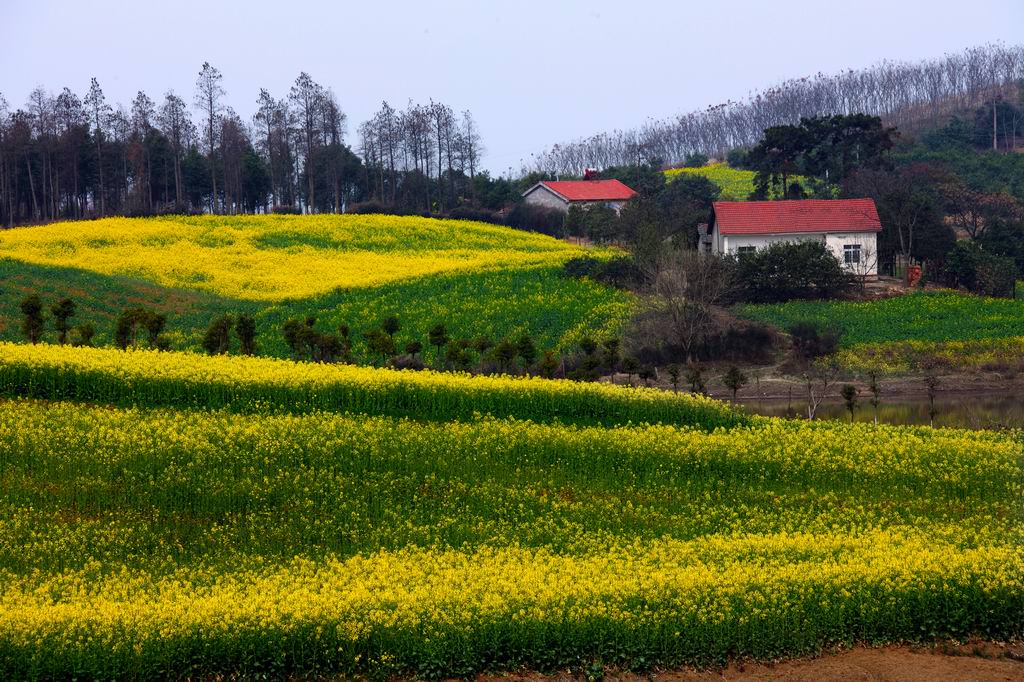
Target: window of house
(745, 250)
(851, 254)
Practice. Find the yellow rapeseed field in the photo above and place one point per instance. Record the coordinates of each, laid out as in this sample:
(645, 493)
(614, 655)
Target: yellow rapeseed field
(155, 543)
(271, 258)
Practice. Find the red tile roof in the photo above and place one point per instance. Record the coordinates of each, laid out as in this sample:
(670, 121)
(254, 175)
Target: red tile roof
(785, 217)
(590, 190)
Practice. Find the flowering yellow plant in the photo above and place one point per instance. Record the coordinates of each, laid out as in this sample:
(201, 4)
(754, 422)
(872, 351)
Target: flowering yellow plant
(152, 378)
(271, 258)
(165, 543)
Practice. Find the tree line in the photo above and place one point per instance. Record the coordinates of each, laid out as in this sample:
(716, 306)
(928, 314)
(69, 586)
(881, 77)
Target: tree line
(65, 156)
(903, 94)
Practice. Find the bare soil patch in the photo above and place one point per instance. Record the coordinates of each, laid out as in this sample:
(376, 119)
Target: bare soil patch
(981, 662)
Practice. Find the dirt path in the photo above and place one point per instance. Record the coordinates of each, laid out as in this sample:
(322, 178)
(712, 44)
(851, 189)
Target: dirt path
(979, 662)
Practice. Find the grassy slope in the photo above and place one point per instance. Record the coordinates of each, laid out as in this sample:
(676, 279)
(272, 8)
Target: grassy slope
(946, 330)
(921, 316)
(512, 295)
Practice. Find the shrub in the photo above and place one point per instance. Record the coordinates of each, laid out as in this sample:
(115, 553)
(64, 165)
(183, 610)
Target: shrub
(976, 270)
(62, 312)
(217, 339)
(32, 323)
(154, 323)
(438, 337)
(380, 342)
(391, 325)
(734, 380)
(526, 350)
(786, 271)
(621, 272)
(131, 320)
(245, 328)
(810, 342)
(549, 221)
(85, 332)
(695, 160)
(413, 348)
(505, 353)
(478, 214)
(548, 365)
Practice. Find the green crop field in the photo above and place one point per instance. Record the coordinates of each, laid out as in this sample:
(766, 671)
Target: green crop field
(900, 333)
(169, 515)
(736, 184)
(474, 278)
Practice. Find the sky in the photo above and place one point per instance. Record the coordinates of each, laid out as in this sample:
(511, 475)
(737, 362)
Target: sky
(533, 73)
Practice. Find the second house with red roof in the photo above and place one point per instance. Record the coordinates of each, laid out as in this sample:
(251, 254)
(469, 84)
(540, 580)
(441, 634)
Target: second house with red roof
(847, 227)
(561, 194)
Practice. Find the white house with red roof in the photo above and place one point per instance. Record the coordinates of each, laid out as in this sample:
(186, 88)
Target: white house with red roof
(848, 227)
(561, 194)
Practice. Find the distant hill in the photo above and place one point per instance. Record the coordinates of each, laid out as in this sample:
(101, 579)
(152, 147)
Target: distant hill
(914, 96)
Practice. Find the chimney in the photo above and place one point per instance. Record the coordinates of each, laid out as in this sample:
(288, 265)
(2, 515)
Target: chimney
(590, 174)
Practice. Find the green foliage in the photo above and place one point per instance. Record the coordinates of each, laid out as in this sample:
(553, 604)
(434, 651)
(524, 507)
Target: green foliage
(849, 394)
(734, 380)
(555, 309)
(245, 328)
(968, 266)
(785, 271)
(84, 334)
(62, 312)
(526, 350)
(596, 222)
(621, 272)
(829, 148)
(217, 339)
(380, 342)
(132, 321)
(811, 342)
(695, 378)
(391, 325)
(505, 353)
(32, 322)
(695, 160)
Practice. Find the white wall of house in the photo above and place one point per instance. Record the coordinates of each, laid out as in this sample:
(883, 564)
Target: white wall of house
(542, 196)
(865, 259)
(865, 262)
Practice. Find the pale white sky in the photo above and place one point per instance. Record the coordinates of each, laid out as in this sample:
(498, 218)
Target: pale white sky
(532, 72)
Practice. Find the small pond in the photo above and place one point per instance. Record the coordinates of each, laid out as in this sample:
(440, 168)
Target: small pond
(964, 411)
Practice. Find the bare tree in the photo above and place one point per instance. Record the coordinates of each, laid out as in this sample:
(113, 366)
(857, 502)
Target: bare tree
(685, 287)
(307, 97)
(208, 99)
(176, 126)
(818, 378)
(143, 118)
(471, 147)
(99, 114)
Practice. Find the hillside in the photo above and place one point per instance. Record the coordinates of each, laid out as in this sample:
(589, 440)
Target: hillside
(310, 529)
(476, 279)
